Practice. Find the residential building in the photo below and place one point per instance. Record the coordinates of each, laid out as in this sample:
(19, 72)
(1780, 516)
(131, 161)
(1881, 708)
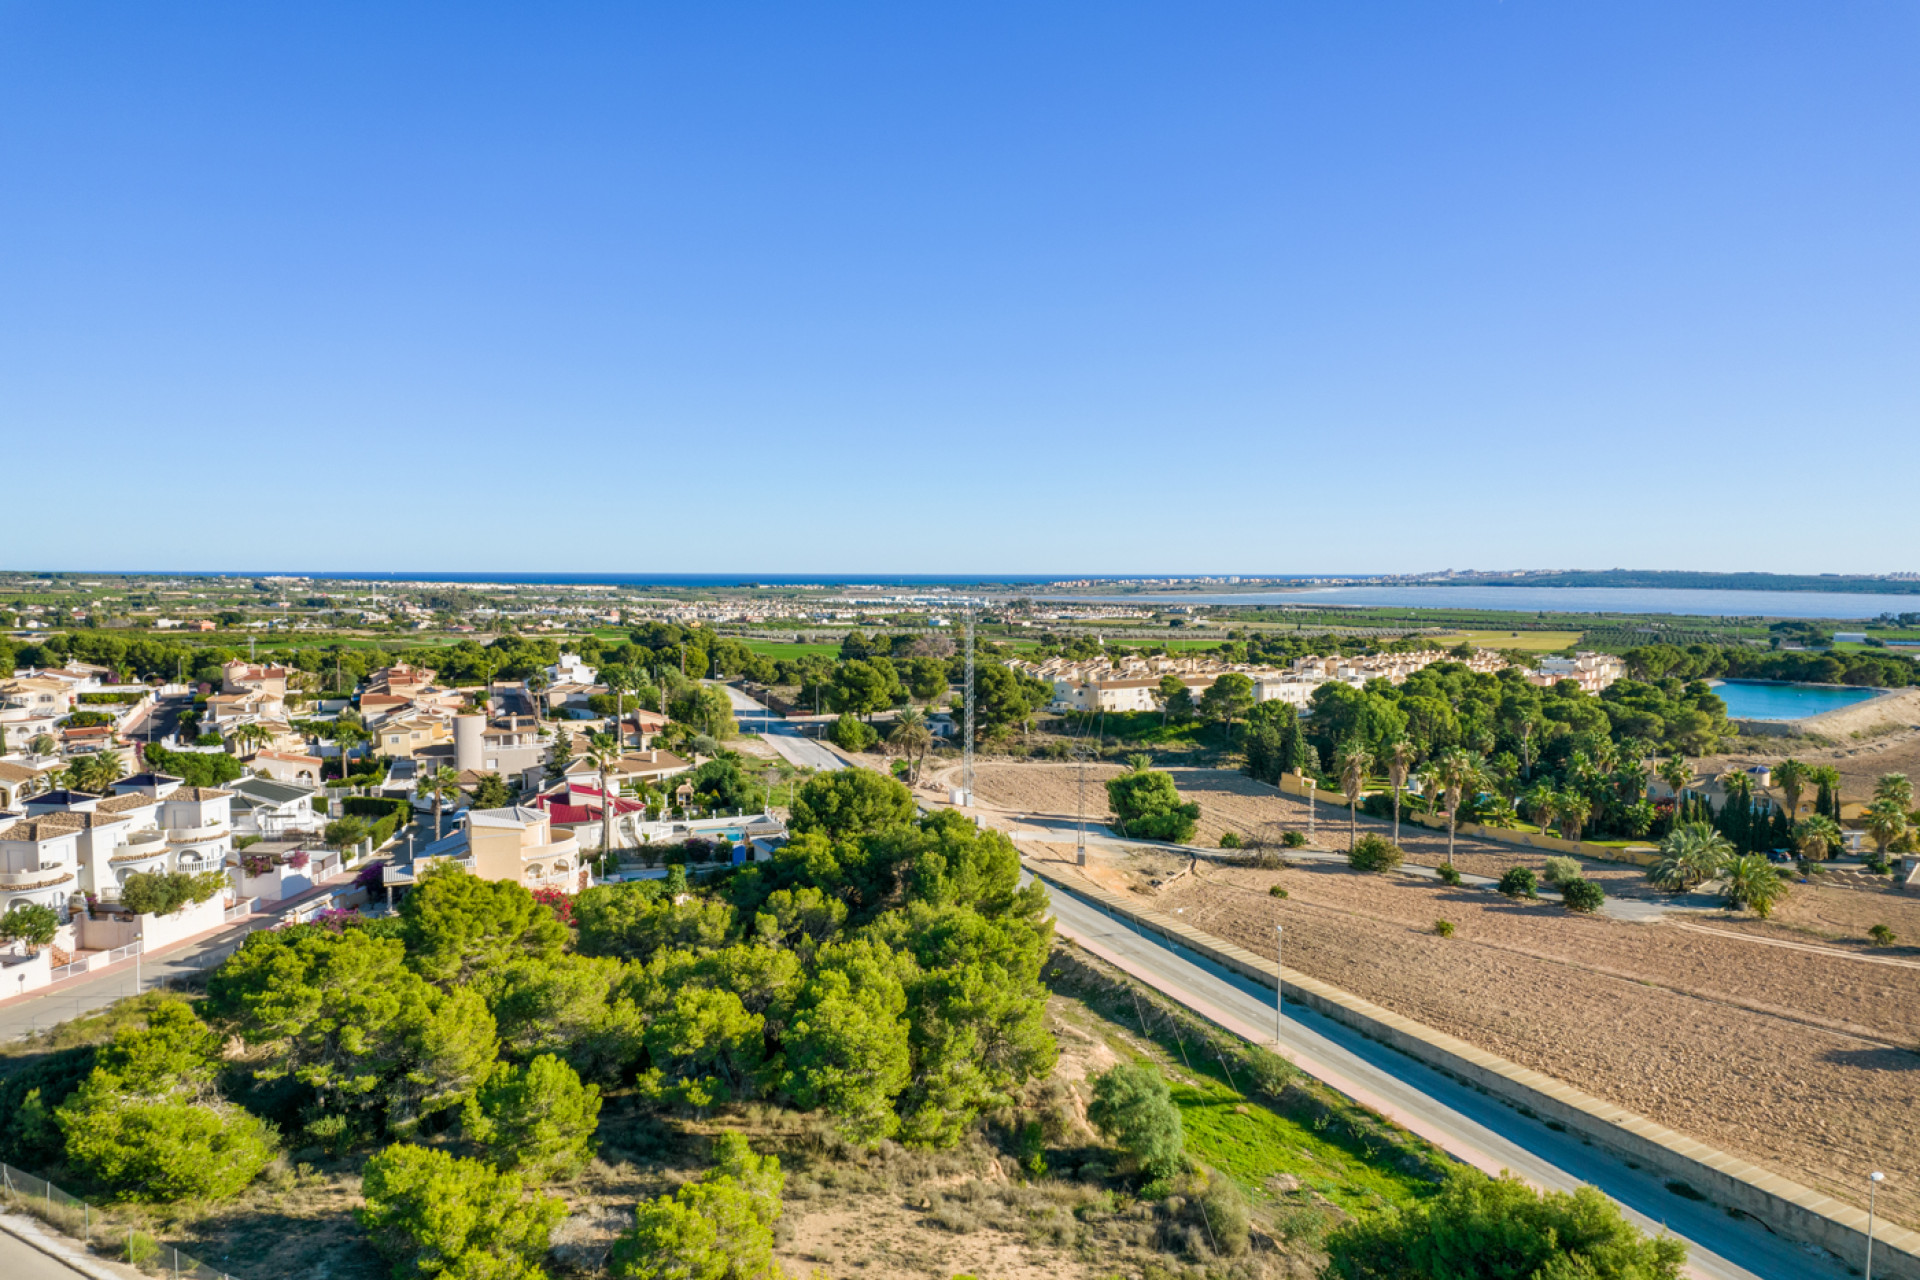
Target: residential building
(1593, 672)
(39, 863)
(571, 670)
(240, 676)
(274, 810)
(516, 843)
(406, 738)
(43, 694)
(634, 767)
(18, 780)
(293, 767)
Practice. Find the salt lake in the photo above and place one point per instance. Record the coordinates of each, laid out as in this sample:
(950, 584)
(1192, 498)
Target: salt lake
(1771, 700)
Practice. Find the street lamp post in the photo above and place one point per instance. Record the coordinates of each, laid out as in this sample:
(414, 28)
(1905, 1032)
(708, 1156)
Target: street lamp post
(1279, 936)
(1874, 1180)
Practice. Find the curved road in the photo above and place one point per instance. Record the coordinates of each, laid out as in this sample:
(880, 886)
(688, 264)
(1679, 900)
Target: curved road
(752, 717)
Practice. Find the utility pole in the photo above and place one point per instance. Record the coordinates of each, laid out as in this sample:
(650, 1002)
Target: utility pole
(966, 747)
(1279, 937)
(1080, 840)
(1874, 1180)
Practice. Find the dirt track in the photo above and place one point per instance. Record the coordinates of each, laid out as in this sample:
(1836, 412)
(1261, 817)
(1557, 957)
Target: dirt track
(1795, 1057)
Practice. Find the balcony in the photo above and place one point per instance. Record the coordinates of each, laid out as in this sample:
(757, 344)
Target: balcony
(194, 835)
(565, 847)
(40, 878)
(142, 839)
(195, 863)
(150, 851)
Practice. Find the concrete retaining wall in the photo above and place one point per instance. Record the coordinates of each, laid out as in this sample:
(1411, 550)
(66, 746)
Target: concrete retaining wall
(1786, 1207)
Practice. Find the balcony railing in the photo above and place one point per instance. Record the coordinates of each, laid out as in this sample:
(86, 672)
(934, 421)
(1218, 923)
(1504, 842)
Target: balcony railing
(194, 835)
(150, 836)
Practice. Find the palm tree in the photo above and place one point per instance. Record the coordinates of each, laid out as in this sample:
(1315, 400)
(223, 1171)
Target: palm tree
(1429, 782)
(108, 768)
(1544, 802)
(1574, 810)
(603, 752)
(440, 785)
(1817, 837)
(1887, 820)
(1355, 761)
(1752, 882)
(1399, 763)
(536, 685)
(1895, 787)
(1690, 855)
(1456, 772)
(911, 738)
(1790, 776)
(1677, 773)
(346, 735)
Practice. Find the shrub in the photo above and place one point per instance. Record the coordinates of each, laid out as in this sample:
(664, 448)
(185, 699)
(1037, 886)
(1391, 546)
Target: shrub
(1443, 927)
(1752, 882)
(161, 893)
(430, 1213)
(1449, 874)
(720, 1226)
(1293, 839)
(1278, 891)
(1147, 805)
(1483, 1226)
(1229, 839)
(1134, 1109)
(1560, 869)
(1881, 935)
(538, 1118)
(851, 802)
(1374, 853)
(147, 1124)
(850, 733)
(1518, 882)
(1581, 895)
(30, 923)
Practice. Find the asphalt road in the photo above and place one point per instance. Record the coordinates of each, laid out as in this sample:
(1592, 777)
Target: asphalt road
(753, 717)
(1470, 1124)
(21, 1261)
(76, 996)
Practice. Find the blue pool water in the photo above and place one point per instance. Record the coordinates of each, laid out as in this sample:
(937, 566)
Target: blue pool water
(1769, 700)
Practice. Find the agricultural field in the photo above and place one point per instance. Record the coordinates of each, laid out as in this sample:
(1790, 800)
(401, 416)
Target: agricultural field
(1527, 641)
(1800, 1057)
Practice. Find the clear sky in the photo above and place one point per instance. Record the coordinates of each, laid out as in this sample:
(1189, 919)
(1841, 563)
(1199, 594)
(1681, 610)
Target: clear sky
(1271, 287)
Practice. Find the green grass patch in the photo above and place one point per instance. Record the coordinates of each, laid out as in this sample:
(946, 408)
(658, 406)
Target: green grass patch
(788, 649)
(1252, 1144)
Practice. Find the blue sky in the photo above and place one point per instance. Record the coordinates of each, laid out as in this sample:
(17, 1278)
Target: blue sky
(1278, 287)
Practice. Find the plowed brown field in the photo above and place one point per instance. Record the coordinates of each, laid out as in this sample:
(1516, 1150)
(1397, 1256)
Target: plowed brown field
(1801, 1057)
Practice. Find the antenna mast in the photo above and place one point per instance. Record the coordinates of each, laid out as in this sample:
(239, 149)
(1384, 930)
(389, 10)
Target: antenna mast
(966, 746)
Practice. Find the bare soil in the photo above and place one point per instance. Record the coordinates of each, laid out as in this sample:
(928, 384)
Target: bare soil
(1891, 745)
(1799, 1057)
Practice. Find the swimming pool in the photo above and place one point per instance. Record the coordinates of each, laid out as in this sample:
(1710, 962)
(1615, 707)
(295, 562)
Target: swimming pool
(1774, 700)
